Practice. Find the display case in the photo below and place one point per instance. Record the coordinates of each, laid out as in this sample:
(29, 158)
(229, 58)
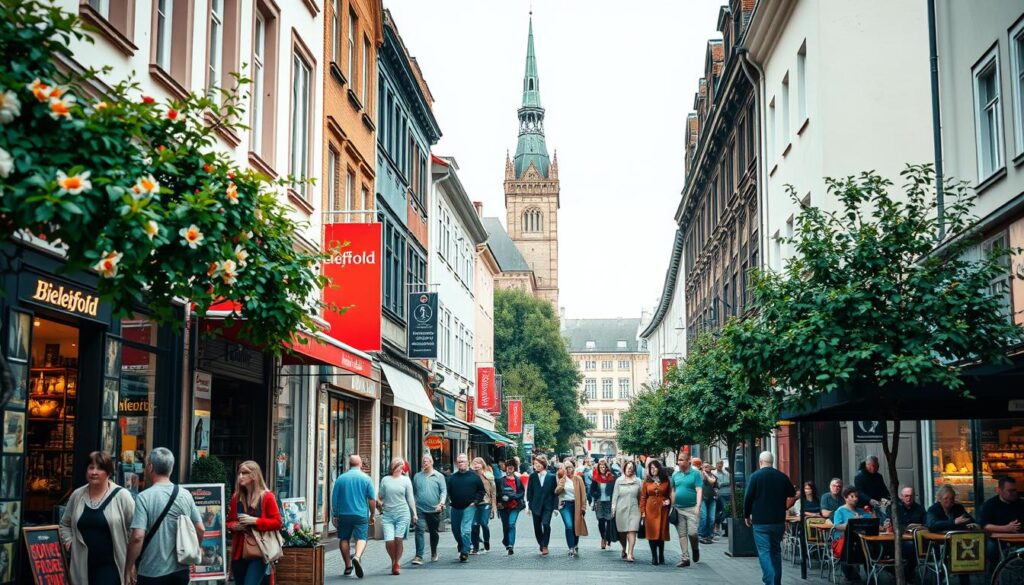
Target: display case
(52, 401)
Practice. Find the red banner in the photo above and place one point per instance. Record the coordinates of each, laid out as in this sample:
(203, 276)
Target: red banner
(515, 417)
(470, 410)
(485, 394)
(354, 287)
(666, 365)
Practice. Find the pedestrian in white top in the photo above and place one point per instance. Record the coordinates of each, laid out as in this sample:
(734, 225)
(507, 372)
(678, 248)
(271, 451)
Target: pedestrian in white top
(397, 504)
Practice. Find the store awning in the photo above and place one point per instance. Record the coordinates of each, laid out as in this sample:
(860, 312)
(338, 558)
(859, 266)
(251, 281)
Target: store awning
(490, 435)
(442, 418)
(408, 391)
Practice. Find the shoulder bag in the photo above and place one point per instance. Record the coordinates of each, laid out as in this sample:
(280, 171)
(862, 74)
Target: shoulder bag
(267, 546)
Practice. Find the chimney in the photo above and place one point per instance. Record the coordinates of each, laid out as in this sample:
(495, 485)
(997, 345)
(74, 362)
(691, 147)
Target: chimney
(479, 206)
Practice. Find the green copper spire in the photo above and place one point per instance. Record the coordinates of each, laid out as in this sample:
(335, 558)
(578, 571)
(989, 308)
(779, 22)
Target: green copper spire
(531, 147)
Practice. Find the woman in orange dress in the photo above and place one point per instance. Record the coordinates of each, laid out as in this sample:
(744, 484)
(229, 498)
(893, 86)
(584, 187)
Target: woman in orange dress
(655, 501)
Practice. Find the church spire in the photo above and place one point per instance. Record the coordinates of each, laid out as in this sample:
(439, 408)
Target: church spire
(531, 147)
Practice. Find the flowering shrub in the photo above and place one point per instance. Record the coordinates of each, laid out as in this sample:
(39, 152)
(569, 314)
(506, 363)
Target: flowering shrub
(136, 189)
(297, 535)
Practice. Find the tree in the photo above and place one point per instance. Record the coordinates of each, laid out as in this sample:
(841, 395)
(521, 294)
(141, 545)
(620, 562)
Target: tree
(641, 428)
(526, 331)
(868, 304)
(524, 380)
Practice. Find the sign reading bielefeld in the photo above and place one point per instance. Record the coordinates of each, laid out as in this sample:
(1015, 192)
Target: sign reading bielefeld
(422, 327)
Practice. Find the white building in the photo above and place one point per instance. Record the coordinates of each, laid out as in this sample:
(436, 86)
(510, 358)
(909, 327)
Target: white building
(663, 330)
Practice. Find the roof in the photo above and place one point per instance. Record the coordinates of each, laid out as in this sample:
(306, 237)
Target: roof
(531, 147)
(604, 335)
(668, 290)
(504, 249)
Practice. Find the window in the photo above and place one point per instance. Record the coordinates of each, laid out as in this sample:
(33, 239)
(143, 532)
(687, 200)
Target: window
(394, 267)
(621, 344)
(801, 84)
(350, 191)
(289, 432)
(1017, 68)
(259, 51)
(336, 29)
(785, 110)
(590, 387)
(772, 144)
(366, 74)
(216, 47)
(609, 421)
(264, 86)
(606, 365)
(532, 220)
(590, 344)
(332, 181)
(351, 45)
(624, 365)
(164, 28)
(1000, 285)
(592, 419)
(625, 392)
(988, 119)
(299, 169)
(606, 389)
(591, 365)
(113, 18)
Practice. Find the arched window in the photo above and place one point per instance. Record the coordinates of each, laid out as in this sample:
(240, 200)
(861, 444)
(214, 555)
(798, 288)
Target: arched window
(532, 220)
(531, 85)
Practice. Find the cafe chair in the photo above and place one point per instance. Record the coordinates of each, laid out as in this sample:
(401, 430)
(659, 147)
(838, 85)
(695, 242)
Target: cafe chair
(927, 556)
(953, 540)
(875, 560)
(815, 547)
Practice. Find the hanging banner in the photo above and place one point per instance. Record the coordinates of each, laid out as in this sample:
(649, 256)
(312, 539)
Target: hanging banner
(485, 392)
(209, 498)
(515, 417)
(499, 399)
(528, 435)
(422, 329)
(470, 409)
(354, 288)
(666, 365)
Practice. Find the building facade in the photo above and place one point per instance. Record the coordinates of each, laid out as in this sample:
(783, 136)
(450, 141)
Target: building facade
(614, 367)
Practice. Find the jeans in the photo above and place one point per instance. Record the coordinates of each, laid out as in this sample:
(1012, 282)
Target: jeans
(508, 526)
(481, 523)
(542, 526)
(248, 571)
(707, 519)
(768, 540)
(567, 511)
(176, 578)
(429, 522)
(462, 526)
(720, 509)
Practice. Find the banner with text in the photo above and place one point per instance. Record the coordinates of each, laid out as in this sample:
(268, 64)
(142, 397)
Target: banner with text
(353, 291)
(422, 329)
(499, 395)
(515, 417)
(470, 409)
(485, 392)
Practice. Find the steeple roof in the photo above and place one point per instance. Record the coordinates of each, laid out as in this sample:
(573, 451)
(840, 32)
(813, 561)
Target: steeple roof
(531, 148)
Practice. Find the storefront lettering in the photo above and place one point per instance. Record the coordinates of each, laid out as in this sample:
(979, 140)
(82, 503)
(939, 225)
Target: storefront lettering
(68, 299)
(127, 405)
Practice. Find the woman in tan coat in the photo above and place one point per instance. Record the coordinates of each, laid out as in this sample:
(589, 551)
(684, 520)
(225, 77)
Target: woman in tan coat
(95, 526)
(626, 508)
(572, 503)
(655, 499)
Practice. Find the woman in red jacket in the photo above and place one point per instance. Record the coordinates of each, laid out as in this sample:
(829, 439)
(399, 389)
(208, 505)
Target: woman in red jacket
(253, 507)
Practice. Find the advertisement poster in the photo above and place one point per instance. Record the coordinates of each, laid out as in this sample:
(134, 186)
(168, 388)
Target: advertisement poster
(353, 294)
(528, 435)
(499, 395)
(293, 511)
(666, 365)
(470, 409)
(45, 553)
(485, 394)
(209, 498)
(202, 385)
(422, 329)
(515, 417)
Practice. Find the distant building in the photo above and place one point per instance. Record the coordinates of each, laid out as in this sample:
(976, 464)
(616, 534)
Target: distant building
(613, 361)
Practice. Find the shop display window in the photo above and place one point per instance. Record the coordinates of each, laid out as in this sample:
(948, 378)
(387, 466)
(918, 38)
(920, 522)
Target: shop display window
(337, 434)
(289, 433)
(1002, 452)
(952, 461)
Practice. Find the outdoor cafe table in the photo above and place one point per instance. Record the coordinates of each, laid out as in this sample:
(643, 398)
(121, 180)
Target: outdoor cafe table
(875, 551)
(1011, 538)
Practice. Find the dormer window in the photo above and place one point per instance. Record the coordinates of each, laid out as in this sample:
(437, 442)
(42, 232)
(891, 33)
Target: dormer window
(620, 344)
(591, 345)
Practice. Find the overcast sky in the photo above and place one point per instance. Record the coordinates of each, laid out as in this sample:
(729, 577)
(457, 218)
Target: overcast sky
(616, 79)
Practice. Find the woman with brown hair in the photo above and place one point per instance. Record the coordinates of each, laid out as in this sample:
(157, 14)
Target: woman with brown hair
(96, 524)
(656, 496)
(253, 509)
(485, 510)
(601, 487)
(398, 510)
(572, 503)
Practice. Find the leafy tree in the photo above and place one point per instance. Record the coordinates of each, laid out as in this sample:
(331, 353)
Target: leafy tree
(868, 304)
(641, 428)
(526, 331)
(524, 380)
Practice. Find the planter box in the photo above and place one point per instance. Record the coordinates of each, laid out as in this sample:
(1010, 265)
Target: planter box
(301, 566)
(741, 539)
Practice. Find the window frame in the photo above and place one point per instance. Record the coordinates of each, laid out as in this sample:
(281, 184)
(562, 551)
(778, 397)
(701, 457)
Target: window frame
(351, 44)
(1016, 36)
(301, 62)
(333, 166)
(988, 63)
(215, 45)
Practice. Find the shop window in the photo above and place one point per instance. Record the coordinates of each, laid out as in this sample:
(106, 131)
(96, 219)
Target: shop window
(1002, 452)
(19, 346)
(951, 459)
(289, 433)
(128, 409)
(386, 436)
(337, 420)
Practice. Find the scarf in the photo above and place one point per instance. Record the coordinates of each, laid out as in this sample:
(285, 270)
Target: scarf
(603, 478)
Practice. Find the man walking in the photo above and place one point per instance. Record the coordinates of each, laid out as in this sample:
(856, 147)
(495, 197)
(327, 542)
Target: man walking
(154, 538)
(724, 490)
(709, 497)
(352, 501)
(431, 491)
(465, 489)
(768, 495)
(540, 494)
(689, 487)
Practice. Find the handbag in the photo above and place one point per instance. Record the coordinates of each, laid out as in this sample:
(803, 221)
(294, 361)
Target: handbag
(673, 516)
(187, 542)
(642, 531)
(837, 546)
(259, 545)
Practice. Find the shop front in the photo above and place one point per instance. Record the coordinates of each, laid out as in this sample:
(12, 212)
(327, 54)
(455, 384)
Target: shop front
(84, 381)
(404, 407)
(448, 435)
(972, 454)
(491, 445)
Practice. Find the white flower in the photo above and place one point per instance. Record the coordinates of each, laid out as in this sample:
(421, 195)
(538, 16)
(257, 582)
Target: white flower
(152, 229)
(145, 187)
(107, 266)
(241, 255)
(73, 184)
(10, 107)
(6, 163)
(228, 271)
(191, 236)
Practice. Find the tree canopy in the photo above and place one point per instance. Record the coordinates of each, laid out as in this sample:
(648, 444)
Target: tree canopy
(524, 380)
(641, 430)
(526, 331)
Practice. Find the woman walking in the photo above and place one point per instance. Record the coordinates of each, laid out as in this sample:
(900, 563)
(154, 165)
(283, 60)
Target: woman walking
(513, 494)
(96, 524)
(572, 503)
(626, 508)
(656, 495)
(602, 484)
(484, 510)
(253, 508)
(398, 507)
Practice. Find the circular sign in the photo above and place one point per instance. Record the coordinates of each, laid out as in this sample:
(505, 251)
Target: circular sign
(433, 442)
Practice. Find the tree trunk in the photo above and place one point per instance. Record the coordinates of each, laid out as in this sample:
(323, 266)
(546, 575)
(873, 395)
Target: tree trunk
(730, 444)
(890, 446)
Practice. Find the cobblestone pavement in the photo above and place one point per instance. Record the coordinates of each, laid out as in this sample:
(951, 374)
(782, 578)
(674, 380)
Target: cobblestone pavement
(592, 566)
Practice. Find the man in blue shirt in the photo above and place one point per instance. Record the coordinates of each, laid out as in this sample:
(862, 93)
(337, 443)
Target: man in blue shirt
(352, 502)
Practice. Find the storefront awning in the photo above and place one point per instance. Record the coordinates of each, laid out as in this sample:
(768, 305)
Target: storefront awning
(442, 418)
(490, 435)
(408, 391)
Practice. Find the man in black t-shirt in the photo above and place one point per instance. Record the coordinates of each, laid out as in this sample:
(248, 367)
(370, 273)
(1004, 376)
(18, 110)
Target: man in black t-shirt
(768, 495)
(1002, 513)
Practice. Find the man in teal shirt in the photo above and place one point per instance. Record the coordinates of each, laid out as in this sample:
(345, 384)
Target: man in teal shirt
(688, 487)
(352, 502)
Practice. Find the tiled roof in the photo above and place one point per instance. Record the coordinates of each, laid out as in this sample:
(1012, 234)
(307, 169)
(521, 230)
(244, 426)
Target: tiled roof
(504, 249)
(606, 335)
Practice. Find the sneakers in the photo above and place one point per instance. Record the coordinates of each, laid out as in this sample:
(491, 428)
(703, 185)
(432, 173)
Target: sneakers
(474, 551)
(508, 549)
(683, 563)
(348, 571)
(487, 547)
(433, 557)
(358, 566)
(463, 557)
(417, 560)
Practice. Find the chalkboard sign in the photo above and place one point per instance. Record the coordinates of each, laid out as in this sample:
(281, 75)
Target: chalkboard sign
(45, 555)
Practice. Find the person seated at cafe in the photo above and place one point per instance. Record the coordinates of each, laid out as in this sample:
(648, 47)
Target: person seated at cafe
(911, 514)
(1003, 513)
(946, 514)
(808, 506)
(871, 486)
(833, 500)
(842, 516)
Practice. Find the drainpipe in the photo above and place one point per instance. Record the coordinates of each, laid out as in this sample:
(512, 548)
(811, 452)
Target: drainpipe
(757, 80)
(933, 58)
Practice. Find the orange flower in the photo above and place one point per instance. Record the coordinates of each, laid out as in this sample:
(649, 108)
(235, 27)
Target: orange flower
(73, 184)
(145, 186)
(232, 193)
(152, 229)
(191, 236)
(241, 255)
(60, 107)
(107, 266)
(228, 271)
(40, 90)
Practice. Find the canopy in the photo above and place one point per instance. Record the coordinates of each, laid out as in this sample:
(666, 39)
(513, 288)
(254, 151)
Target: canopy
(491, 435)
(408, 391)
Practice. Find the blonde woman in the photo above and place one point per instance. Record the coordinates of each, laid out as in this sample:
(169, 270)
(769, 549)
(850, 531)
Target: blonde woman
(572, 503)
(484, 510)
(397, 506)
(253, 508)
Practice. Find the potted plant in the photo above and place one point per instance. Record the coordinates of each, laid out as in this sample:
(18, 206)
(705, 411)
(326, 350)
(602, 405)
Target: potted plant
(303, 560)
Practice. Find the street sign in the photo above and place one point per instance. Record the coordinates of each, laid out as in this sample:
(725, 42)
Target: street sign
(869, 431)
(528, 435)
(422, 329)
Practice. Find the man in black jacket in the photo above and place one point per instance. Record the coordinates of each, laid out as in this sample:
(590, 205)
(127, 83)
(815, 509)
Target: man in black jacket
(871, 488)
(769, 493)
(540, 496)
(465, 489)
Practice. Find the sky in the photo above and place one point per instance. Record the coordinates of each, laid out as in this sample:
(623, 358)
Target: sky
(616, 80)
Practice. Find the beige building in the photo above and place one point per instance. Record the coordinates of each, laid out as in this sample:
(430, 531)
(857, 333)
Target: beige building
(614, 365)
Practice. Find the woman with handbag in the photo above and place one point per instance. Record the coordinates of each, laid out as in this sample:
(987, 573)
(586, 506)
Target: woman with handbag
(511, 502)
(255, 524)
(572, 503)
(656, 495)
(626, 508)
(601, 486)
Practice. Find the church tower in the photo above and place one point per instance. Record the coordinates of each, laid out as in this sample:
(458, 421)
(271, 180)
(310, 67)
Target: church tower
(531, 187)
